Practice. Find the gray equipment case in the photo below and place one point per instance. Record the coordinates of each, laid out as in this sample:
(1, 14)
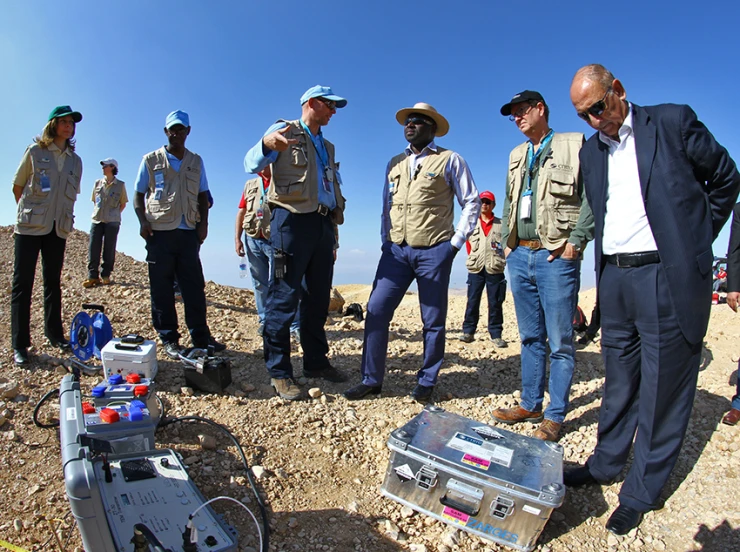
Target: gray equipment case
(487, 481)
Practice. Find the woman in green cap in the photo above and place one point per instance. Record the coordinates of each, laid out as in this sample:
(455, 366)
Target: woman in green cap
(45, 187)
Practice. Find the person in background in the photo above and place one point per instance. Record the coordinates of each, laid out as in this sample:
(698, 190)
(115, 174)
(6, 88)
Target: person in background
(45, 188)
(485, 266)
(109, 199)
(733, 295)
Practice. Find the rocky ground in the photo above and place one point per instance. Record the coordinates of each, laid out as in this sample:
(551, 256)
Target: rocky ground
(321, 461)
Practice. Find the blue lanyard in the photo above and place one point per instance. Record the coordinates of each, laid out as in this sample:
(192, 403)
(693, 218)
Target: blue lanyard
(533, 156)
(318, 143)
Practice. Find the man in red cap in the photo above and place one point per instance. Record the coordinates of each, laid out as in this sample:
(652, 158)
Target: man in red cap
(485, 269)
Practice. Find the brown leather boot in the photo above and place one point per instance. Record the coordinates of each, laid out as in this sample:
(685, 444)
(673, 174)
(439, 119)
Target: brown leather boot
(515, 415)
(548, 431)
(732, 417)
(286, 388)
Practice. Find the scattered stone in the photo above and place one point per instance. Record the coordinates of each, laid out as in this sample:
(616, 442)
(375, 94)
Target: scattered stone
(207, 442)
(61, 370)
(407, 512)
(187, 391)
(314, 392)
(10, 390)
(33, 490)
(248, 387)
(190, 460)
(18, 525)
(10, 435)
(612, 541)
(258, 471)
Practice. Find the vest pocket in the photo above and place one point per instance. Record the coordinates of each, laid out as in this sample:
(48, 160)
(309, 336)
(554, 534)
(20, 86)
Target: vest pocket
(32, 217)
(562, 183)
(66, 222)
(298, 156)
(160, 212)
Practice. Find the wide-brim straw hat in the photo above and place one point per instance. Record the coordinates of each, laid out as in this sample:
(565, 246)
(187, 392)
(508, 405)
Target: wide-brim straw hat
(425, 109)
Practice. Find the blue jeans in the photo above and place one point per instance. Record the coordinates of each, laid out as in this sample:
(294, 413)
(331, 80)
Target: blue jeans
(736, 398)
(495, 286)
(259, 255)
(398, 267)
(545, 299)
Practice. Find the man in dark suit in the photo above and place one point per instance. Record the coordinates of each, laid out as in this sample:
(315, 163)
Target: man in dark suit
(733, 295)
(660, 188)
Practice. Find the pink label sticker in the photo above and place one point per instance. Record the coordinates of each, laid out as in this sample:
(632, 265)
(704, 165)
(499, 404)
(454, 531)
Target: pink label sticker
(475, 461)
(455, 516)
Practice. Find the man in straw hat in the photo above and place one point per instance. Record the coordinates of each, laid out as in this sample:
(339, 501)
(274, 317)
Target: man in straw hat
(546, 224)
(419, 242)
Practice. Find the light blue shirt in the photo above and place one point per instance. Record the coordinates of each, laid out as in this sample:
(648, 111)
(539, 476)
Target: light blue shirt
(142, 181)
(458, 176)
(256, 160)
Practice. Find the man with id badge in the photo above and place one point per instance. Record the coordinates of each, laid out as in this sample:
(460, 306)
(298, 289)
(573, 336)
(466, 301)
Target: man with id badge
(306, 201)
(420, 242)
(546, 224)
(172, 204)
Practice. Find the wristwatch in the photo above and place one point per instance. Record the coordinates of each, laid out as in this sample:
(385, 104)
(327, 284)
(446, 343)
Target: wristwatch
(576, 247)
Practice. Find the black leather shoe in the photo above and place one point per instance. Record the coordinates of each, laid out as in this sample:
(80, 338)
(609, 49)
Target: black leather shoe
(20, 356)
(623, 520)
(217, 347)
(329, 373)
(578, 476)
(360, 391)
(59, 342)
(422, 393)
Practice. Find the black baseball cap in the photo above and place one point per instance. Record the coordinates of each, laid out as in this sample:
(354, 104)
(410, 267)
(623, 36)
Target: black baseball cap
(524, 96)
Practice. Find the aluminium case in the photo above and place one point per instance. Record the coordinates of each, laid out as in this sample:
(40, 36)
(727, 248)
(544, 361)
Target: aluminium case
(130, 358)
(493, 483)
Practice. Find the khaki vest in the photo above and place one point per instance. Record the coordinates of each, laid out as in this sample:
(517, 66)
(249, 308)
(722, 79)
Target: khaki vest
(486, 252)
(180, 194)
(295, 175)
(253, 198)
(558, 201)
(107, 200)
(422, 208)
(39, 210)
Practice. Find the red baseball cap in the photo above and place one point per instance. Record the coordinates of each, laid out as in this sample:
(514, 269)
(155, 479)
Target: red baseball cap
(488, 195)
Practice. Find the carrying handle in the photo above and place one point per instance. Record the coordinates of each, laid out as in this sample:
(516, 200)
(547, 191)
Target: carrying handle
(132, 338)
(124, 347)
(93, 306)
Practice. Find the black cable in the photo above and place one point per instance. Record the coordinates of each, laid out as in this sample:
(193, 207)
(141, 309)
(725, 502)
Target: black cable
(162, 410)
(149, 537)
(38, 407)
(260, 502)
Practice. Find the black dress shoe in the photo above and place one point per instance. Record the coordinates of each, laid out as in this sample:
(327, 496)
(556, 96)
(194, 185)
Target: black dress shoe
(360, 391)
(623, 520)
(422, 393)
(328, 372)
(578, 476)
(20, 356)
(59, 342)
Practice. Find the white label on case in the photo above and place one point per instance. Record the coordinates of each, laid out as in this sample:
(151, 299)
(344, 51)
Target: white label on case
(405, 472)
(71, 413)
(530, 510)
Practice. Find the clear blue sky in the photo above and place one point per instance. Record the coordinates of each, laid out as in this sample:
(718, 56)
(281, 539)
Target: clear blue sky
(236, 67)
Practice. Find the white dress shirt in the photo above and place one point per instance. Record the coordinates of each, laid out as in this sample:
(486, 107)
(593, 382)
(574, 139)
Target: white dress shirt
(626, 226)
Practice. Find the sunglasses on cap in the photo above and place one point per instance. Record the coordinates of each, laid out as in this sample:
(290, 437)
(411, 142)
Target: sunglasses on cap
(597, 110)
(417, 120)
(331, 104)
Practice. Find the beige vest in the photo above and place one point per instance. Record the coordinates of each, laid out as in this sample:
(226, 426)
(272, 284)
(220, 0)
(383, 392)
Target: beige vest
(254, 226)
(422, 207)
(295, 175)
(180, 194)
(558, 202)
(486, 252)
(107, 200)
(39, 210)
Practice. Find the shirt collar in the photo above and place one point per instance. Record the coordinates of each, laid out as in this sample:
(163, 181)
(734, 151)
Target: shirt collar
(54, 148)
(431, 146)
(308, 130)
(624, 131)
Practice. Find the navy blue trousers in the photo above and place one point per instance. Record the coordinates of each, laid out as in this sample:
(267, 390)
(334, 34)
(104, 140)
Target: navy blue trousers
(651, 375)
(398, 267)
(307, 241)
(495, 286)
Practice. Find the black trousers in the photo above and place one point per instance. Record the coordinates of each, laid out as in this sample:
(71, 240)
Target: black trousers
(175, 254)
(103, 235)
(27, 250)
(495, 286)
(651, 375)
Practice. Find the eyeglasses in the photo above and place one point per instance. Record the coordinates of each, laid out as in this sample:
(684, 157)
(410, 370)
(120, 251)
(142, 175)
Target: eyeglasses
(597, 110)
(486, 201)
(520, 112)
(177, 129)
(417, 120)
(331, 104)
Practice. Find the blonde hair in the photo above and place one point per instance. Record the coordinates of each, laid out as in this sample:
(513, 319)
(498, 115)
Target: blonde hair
(46, 138)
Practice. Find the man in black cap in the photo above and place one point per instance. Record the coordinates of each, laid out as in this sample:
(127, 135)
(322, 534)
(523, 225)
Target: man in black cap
(546, 223)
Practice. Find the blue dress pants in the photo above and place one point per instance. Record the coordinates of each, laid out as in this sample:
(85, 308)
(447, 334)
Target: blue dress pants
(495, 286)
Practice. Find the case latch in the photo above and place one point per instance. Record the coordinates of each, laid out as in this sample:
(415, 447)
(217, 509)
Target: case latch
(426, 478)
(502, 507)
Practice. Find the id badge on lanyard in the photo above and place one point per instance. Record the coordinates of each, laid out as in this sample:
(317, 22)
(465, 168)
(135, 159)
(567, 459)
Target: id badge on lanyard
(525, 205)
(158, 185)
(45, 182)
(328, 179)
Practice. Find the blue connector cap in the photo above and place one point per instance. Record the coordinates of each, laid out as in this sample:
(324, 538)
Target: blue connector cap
(99, 391)
(115, 379)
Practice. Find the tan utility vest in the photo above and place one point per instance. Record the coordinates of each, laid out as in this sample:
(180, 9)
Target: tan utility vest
(39, 210)
(295, 175)
(486, 252)
(254, 226)
(180, 194)
(421, 208)
(558, 201)
(107, 200)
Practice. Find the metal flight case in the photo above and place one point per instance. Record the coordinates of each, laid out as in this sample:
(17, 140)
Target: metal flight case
(493, 483)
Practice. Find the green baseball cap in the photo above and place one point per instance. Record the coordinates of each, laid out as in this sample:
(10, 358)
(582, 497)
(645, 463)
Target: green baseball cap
(63, 110)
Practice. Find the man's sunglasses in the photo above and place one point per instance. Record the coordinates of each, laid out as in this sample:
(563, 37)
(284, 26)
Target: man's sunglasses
(417, 120)
(597, 110)
(331, 104)
(486, 201)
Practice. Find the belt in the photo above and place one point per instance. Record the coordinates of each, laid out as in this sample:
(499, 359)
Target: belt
(323, 210)
(633, 260)
(532, 244)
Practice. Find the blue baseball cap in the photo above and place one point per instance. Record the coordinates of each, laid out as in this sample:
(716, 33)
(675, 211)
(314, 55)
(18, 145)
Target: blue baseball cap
(319, 91)
(177, 118)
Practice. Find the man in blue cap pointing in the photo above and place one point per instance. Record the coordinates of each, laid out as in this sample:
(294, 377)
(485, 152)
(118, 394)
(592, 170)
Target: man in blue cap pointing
(307, 204)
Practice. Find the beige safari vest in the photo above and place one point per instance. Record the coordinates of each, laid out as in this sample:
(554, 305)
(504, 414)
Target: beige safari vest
(39, 210)
(180, 194)
(558, 201)
(253, 226)
(422, 207)
(295, 175)
(483, 254)
(107, 200)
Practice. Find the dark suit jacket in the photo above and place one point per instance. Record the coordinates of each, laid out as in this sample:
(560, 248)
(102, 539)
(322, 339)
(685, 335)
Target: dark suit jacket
(689, 186)
(733, 252)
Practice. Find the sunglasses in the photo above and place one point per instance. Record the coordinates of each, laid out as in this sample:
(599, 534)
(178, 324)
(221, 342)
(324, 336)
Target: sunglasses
(417, 120)
(597, 110)
(104, 166)
(486, 201)
(331, 104)
(521, 112)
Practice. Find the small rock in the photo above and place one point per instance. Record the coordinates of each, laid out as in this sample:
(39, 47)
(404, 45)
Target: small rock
(292, 522)
(407, 512)
(207, 442)
(18, 525)
(61, 370)
(190, 460)
(314, 392)
(612, 541)
(10, 435)
(9, 390)
(417, 548)
(258, 471)
(34, 490)
(248, 387)
(3, 419)
(187, 391)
